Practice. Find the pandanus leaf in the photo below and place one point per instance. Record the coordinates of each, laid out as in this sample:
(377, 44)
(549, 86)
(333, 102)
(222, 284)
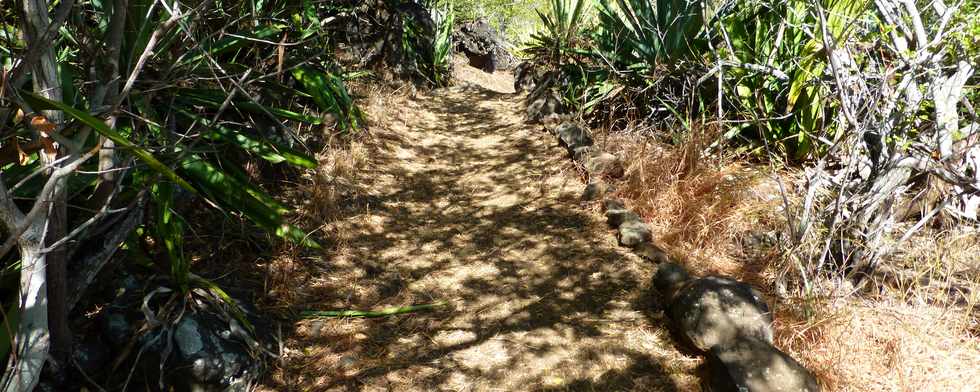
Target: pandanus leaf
(227, 191)
(265, 149)
(214, 98)
(330, 94)
(40, 103)
(230, 43)
(169, 230)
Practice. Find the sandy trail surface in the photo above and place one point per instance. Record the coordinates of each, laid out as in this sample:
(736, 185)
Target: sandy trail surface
(463, 202)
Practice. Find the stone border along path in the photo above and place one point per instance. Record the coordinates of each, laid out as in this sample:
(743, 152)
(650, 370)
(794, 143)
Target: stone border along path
(725, 319)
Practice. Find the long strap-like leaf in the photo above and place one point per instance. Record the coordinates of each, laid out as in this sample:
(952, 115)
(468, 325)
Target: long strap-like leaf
(40, 103)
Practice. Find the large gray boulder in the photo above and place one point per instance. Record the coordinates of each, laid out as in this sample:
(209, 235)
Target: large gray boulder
(730, 321)
(713, 311)
(757, 366)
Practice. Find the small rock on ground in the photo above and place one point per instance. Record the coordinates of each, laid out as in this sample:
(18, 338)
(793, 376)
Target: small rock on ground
(573, 136)
(634, 232)
(595, 190)
(542, 107)
(604, 165)
(651, 252)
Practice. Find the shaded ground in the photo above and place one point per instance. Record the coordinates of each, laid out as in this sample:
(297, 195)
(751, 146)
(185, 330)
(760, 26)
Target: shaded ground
(460, 201)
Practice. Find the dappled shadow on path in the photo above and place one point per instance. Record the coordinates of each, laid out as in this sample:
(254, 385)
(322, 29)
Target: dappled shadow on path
(469, 205)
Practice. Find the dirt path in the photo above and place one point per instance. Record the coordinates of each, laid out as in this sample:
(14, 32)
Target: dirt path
(467, 204)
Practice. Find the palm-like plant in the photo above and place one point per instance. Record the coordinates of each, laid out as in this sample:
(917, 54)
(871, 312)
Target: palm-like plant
(442, 59)
(777, 62)
(185, 96)
(563, 24)
(641, 34)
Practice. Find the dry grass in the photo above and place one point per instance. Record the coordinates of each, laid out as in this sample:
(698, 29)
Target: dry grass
(702, 211)
(885, 344)
(917, 332)
(337, 182)
(336, 178)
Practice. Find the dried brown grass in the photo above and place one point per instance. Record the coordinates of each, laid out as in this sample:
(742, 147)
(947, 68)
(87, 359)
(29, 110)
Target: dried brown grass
(701, 210)
(885, 344)
(337, 182)
(918, 331)
(914, 327)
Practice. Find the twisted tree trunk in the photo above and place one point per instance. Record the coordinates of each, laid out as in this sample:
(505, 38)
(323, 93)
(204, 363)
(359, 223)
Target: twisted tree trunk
(42, 280)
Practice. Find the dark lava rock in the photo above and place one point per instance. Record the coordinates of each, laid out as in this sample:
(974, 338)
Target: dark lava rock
(617, 214)
(604, 164)
(526, 76)
(573, 136)
(755, 365)
(483, 46)
(595, 190)
(669, 279)
(543, 107)
(543, 85)
(730, 321)
(613, 204)
(634, 232)
(205, 359)
(714, 311)
(651, 252)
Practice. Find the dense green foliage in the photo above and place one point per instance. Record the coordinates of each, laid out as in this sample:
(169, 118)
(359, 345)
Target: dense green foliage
(877, 99)
(183, 103)
(644, 59)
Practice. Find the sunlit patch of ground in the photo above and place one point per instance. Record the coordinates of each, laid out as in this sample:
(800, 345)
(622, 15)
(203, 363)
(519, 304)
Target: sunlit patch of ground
(456, 199)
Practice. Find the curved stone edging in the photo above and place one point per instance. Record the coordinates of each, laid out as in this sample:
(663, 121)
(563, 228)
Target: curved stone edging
(725, 319)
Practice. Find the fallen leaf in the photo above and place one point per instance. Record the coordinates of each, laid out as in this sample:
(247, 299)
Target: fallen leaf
(22, 157)
(41, 124)
(45, 128)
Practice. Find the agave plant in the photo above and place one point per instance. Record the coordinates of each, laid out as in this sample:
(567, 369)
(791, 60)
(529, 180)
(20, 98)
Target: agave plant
(560, 37)
(638, 35)
(442, 59)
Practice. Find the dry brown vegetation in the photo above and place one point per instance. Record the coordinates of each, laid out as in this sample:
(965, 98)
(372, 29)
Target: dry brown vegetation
(915, 329)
